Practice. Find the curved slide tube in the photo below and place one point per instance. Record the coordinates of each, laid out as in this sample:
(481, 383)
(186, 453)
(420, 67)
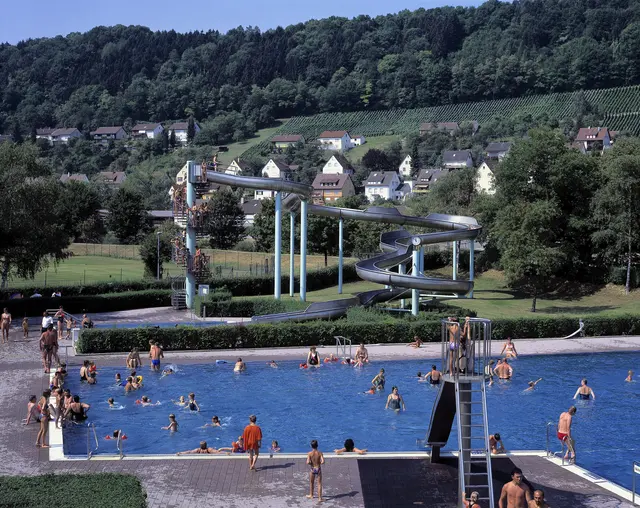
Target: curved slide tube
(397, 247)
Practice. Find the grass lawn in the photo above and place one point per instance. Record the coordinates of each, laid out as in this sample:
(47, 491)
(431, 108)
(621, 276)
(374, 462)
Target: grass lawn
(237, 149)
(104, 490)
(379, 142)
(492, 299)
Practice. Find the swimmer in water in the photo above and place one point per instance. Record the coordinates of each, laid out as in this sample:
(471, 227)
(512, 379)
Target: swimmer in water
(240, 366)
(215, 422)
(532, 385)
(371, 391)
(434, 376)
(378, 381)
(92, 379)
(116, 433)
(129, 386)
(347, 361)
(112, 403)
(275, 448)
(272, 364)
(584, 392)
(173, 424)
(629, 377)
(118, 379)
(236, 447)
(146, 401)
(167, 372)
(191, 403)
(180, 402)
(313, 358)
(331, 358)
(395, 401)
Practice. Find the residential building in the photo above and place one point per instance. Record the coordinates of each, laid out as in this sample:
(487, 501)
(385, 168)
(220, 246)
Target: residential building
(329, 187)
(251, 208)
(457, 159)
(426, 179)
(64, 135)
(497, 150)
(338, 164)
(381, 184)
(180, 129)
(450, 127)
(406, 167)
(238, 167)
(158, 217)
(485, 176)
(273, 169)
(358, 140)
(403, 191)
(113, 178)
(75, 177)
(109, 133)
(284, 141)
(593, 138)
(147, 130)
(335, 140)
(45, 133)
(181, 177)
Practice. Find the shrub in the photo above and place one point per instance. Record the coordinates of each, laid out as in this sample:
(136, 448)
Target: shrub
(99, 288)
(239, 307)
(618, 276)
(110, 302)
(323, 332)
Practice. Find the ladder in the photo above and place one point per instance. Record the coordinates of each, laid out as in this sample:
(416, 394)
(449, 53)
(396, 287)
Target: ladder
(474, 452)
(342, 343)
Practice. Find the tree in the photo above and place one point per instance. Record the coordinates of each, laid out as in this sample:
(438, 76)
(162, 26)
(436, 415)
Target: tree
(33, 231)
(263, 229)
(128, 219)
(224, 220)
(172, 139)
(79, 203)
(16, 133)
(376, 160)
(454, 193)
(616, 207)
(149, 248)
(191, 130)
(323, 236)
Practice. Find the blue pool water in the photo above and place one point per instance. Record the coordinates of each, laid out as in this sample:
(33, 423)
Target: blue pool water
(157, 325)
(294, 406)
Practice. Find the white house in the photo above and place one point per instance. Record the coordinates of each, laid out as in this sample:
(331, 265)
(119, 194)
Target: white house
(180, 129)
(45, 133)
(497, 150)
(181, 177)
(381, 184)
(109, 133)
(147, 130)
(406, 167)
(457, 159)
(338, 164)
(64, 135)
(273, 169)
(485, 177)
(403, 191)
(589, 138)
(358, 140)
(238, 167)
(335, 140)
(251, 208)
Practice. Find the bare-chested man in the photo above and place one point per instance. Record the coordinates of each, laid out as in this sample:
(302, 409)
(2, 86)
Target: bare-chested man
(133, 359)
(362, 354)
(515, 494)
(434, 376)
(564, 433)
(504, 370)
(48, 344)
(538, 500)
(155, 354)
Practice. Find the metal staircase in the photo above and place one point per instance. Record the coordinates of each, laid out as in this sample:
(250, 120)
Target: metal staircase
(178, 293)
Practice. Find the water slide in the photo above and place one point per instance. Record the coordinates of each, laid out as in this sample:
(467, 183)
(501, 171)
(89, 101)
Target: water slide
(397, 247)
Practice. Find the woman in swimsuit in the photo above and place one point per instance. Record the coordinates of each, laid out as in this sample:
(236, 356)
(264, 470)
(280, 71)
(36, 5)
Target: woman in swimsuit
(434, 376)
(5, 322)
(629, 378)
(84, 371)
(192, 404)
(584, 392)
(395, 400)
(472, 502)
(454, 340)
(313, 358)
(509, 349)
(60, 316)
(77, 411)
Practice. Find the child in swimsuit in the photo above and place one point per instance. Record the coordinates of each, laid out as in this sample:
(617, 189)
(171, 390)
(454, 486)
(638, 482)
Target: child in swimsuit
(315, 459)
(25, 327)
(192, 404)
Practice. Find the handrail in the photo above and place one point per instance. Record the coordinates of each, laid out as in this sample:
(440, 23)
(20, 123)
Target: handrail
(486, 444)
(635, 471)
(461, 476)
(91, 426)
(119, 444)
(64, 313)
(549, 452)
(342, 342)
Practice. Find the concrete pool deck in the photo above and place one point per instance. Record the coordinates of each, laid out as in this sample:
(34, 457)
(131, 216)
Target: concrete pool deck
(283, 481)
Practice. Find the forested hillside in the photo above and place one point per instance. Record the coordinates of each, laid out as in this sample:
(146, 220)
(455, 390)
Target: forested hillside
(244, 79)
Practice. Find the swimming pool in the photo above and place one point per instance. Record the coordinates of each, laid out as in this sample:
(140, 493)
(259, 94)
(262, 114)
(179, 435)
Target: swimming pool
(197, 324)
(294, 406)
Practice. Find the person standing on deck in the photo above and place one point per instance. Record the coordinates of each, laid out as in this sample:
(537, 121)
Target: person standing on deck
(515, 494)
(564, 433)
(252, 438)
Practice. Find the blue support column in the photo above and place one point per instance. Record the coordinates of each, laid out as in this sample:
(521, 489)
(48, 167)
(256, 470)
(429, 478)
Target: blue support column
(455, 260)
(303, 251)
(402, 270)
(191, 235)
(340, 254)
(292, 253)
(415, 293)
(472, 262)
(278, 248)
(421, 256)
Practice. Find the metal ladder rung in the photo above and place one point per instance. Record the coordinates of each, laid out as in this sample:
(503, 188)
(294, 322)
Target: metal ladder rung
(479, 486)
(470, 391)
(477, 474)
(472, 425)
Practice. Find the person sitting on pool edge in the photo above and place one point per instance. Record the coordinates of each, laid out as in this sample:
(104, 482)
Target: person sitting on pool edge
(133, 359)
(350, 447)
(362, 354)
(416, 342)
(495, 444)
(584, 392)
(202, 449)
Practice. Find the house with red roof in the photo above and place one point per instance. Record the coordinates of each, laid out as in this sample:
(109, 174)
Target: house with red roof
(339, 141)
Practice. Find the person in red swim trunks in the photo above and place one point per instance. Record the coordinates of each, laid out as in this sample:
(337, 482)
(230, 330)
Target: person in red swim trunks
(564, 433)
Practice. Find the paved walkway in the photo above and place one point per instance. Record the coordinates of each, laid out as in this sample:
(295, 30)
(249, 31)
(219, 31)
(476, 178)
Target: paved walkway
(282, 482)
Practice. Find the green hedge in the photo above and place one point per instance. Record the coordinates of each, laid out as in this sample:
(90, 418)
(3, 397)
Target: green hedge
(322, 333)
(97, 303)
(238, 286)
(241, 307)
(103, 490)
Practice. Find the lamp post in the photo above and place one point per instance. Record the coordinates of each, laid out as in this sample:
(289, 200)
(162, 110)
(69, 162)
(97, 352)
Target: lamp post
(158, 255)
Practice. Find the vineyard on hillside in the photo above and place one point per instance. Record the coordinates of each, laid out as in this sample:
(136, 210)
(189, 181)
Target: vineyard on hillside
(620, 108)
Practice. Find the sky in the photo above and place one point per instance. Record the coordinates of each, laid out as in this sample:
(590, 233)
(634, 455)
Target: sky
(46, 18)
